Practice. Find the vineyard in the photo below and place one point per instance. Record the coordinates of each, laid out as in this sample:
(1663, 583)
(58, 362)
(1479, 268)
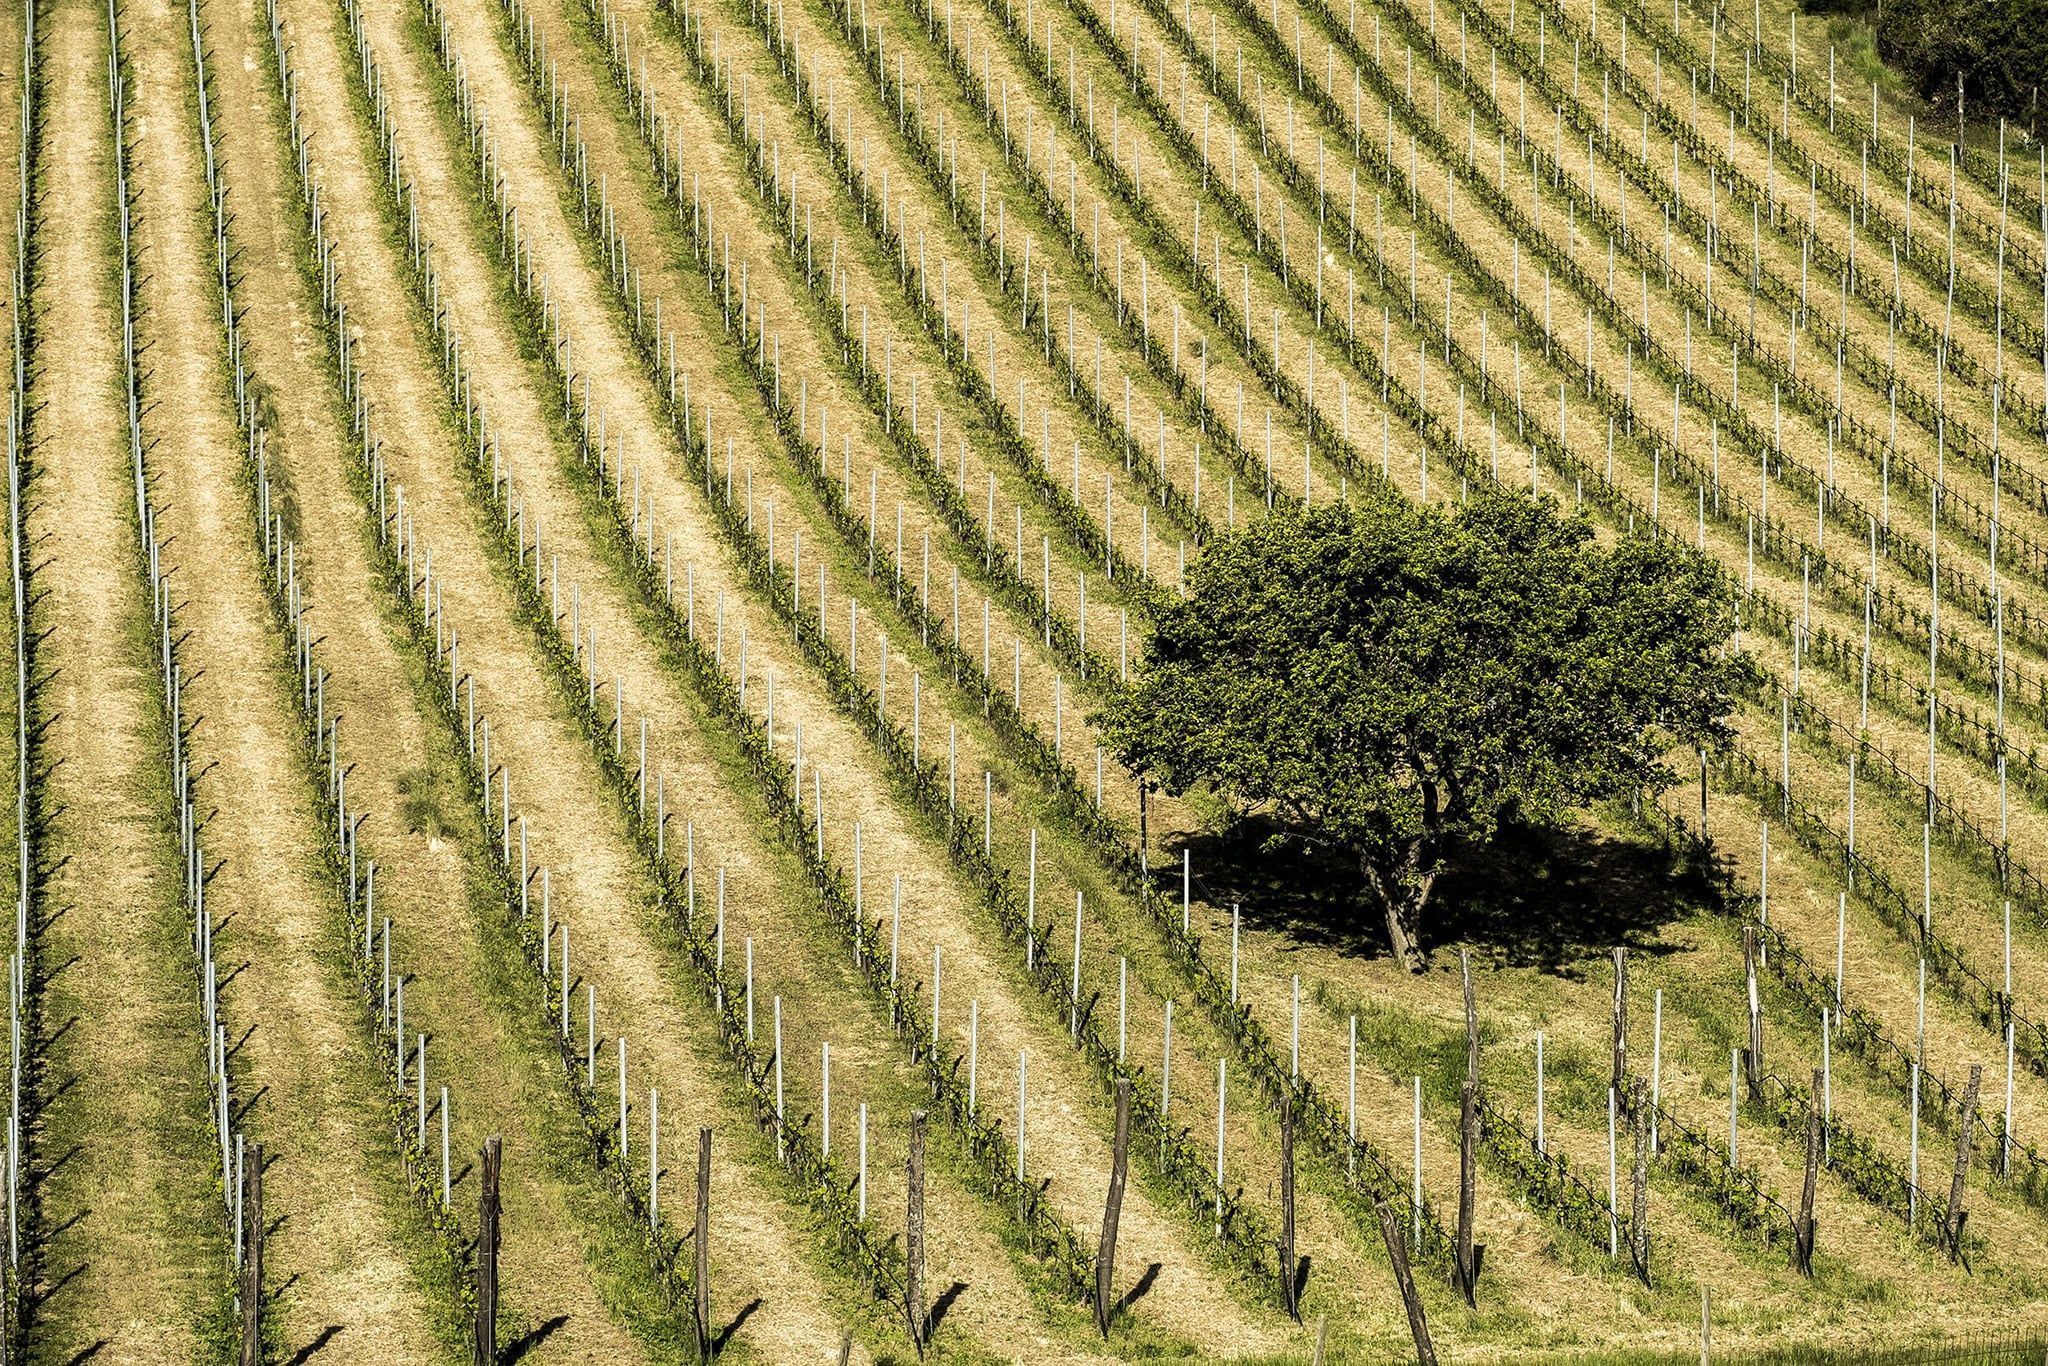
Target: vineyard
(567, 558)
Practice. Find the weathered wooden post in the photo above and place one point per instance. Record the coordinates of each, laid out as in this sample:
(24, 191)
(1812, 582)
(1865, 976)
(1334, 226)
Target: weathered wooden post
(1404, 1276)
(1953, 1219)
(1803, 1228)
(1119, 1166)
(1290, 1278)
(1620, 1071)
(487, 1243)
(1639, 1188)
(252, 1260)
(1466, 1270)
(913, 1238)
(1703, 794)
(1144, 823)
(701, 1280)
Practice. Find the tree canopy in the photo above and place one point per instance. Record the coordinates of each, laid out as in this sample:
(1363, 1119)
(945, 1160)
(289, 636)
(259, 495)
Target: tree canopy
(1997, 50)
(1993, 54)
(1388, 679)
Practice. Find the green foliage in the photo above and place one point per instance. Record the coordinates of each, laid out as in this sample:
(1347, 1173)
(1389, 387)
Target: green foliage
(1854, 40)
(1998, 49)
(419, 804)
(1389, 680)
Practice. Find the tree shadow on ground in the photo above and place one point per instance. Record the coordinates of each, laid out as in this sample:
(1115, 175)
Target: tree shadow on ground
(1540, 897)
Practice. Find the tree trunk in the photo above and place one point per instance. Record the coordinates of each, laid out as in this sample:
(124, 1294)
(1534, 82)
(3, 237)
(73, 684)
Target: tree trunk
(1403, 890)
(1400, 937)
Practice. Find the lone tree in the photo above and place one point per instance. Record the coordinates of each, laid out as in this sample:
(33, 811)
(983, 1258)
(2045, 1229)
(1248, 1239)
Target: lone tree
(1389, 680)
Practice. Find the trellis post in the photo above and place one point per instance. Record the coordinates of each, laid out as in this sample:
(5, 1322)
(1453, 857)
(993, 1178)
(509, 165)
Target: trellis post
(1404, 1276)
(913, 1238)
(1639, 1187)
(252, 1261)
(701, 1238)
(1955, 1216)
(1105, 1261)
(1290, 1269)
(1468, 1254)
(1753, 1056)
(1803, 1228)
(487, 1244)
(1620, 1031)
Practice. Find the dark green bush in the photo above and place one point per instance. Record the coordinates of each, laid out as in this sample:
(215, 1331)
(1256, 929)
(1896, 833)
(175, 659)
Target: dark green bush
(1997, 49)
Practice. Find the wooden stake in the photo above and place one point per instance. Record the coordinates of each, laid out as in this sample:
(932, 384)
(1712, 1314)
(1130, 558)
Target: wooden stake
(1956, 1214)
(1639, 1185)
(913, 1238)
(1144, 823)
(1466, 1271)
(252, 1260)
(1734, 1101)
(1913, 1154)
(1105, 1261)
(1397, 1254)
(701, 1280)
(1620, 1073)
(1803, 1227)
(1290, 1278)
(487, 1244)
(1613, 1196)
